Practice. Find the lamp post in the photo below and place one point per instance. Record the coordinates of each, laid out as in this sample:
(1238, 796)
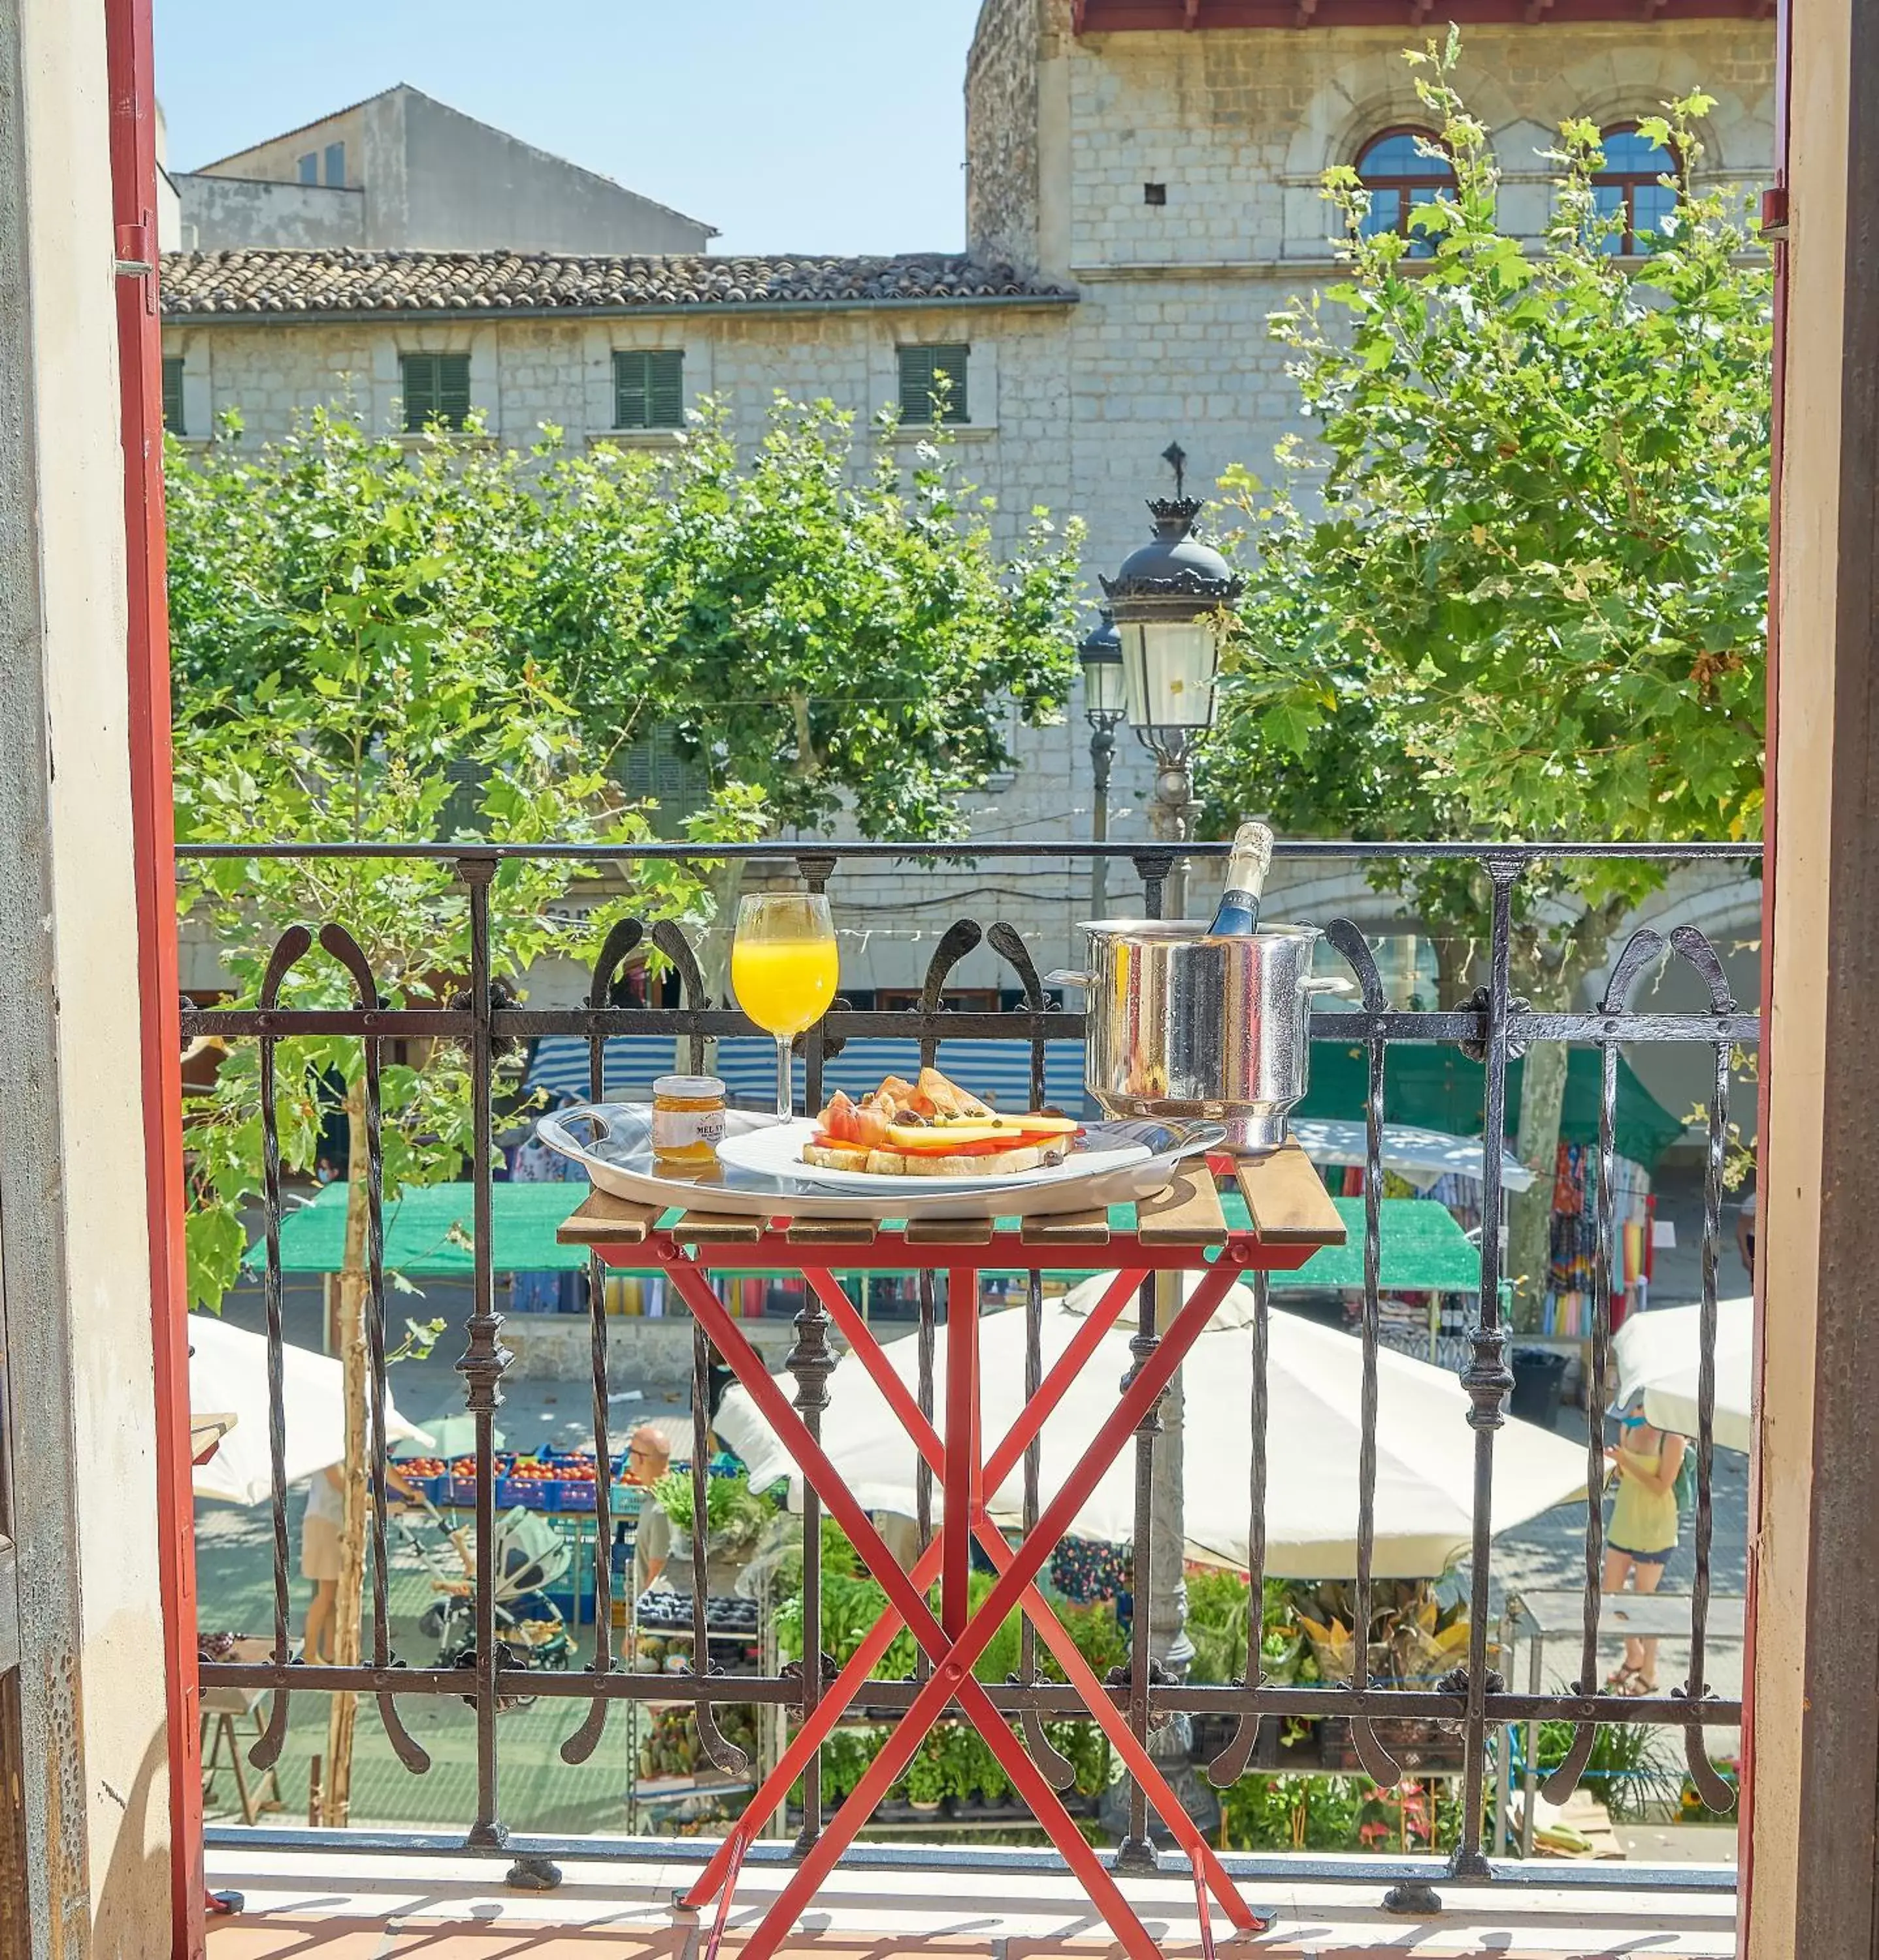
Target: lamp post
(1101, 657)
(1170, 600)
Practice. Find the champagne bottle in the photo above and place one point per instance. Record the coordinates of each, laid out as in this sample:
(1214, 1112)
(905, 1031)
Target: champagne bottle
(1238, 915)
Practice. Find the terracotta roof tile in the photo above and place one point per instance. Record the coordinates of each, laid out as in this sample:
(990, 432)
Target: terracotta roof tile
(198, 284)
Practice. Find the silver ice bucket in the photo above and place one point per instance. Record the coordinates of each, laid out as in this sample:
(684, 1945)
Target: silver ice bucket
(1182, 1023)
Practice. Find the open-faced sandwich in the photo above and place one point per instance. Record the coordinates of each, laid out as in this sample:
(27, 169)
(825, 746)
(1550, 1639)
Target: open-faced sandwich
(934, 1128)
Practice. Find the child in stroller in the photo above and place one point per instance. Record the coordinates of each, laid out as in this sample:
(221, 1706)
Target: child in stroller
(530, 1556)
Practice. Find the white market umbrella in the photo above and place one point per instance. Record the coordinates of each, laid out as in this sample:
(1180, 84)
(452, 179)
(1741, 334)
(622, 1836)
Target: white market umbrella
(449, 1435)
(1422, 1158)
(228, 1375)
(1425, 1447)
(1658, 1353)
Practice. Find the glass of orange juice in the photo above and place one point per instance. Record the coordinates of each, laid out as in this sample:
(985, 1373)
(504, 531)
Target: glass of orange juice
(783, 970)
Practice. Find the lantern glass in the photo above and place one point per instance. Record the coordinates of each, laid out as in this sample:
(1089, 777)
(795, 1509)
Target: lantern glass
(1168, 666)
(1103, 685)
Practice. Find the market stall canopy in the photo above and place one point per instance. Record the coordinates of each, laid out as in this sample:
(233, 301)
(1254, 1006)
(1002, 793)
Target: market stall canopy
(1420, 1249)
(1420, 1157)
(1425, 1447)
(428, 1231)
(228, 1374)
(1434, 1085)
(1658, 1354)
(428, 1236)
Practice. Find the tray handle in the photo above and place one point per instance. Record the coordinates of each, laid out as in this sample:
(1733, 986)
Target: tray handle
(598, 1127)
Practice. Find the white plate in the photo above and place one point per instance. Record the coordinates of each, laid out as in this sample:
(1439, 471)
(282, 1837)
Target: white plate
(613, 1142)
(777, 1152)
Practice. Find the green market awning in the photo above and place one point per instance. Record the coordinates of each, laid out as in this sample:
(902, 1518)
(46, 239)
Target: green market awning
(1422, 1249)
(1435, 1086)
(429, 1231)
(428, 1236)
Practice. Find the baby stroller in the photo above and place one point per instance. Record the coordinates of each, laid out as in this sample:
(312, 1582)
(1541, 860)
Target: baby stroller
(530, 1556)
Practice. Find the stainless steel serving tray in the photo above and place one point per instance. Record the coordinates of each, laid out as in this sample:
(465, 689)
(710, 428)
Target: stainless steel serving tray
(613, 1142)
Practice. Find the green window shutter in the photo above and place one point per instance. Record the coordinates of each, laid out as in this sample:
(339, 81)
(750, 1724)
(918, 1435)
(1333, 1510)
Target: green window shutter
(462, 809)
(172, 394)
(926, 373)
(649, 388)
(653, 769)
(436, 388)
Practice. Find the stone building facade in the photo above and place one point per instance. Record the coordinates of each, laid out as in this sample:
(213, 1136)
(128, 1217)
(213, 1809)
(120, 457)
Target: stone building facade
(1143, 192)
(401, 171)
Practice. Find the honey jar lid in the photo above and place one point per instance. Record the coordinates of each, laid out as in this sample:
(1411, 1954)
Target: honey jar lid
(688, 1088)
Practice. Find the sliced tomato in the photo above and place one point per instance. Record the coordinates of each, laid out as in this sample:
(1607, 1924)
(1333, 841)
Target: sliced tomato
(838, 1121)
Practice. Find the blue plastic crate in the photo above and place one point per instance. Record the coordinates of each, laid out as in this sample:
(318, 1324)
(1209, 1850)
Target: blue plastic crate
(565, 1497)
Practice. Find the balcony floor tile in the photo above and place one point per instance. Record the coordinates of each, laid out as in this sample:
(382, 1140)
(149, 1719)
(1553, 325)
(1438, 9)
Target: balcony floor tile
(327, 1906)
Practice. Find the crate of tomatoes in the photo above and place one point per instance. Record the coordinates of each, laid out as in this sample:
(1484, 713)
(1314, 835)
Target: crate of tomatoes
(552, 1481)
(430, 1474)
(459, 1487)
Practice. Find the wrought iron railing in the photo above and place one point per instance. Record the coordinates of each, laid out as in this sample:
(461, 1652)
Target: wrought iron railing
(1493, 1026)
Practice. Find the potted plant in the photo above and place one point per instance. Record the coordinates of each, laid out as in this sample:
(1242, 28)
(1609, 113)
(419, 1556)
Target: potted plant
(993, 1785)
(926, 1779)
(963, 1758)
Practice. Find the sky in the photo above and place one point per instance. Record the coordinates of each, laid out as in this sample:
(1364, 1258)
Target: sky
(793, 125)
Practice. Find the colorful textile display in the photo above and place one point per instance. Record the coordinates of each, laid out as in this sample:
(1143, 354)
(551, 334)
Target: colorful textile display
(1568, 1309)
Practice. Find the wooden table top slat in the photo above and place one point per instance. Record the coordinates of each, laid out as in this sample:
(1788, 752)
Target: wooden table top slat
(604, 1219)
(1067, 1228)
(717, 1228)
(949, 1231)
(1187, 1213)
(832, 1231)
(1286, 1199)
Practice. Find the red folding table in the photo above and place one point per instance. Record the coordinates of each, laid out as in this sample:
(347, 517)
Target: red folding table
(1184, 1229)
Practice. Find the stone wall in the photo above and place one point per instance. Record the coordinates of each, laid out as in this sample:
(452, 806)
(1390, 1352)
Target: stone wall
(1001, 134)
(655, 1355)
(1240, 125)
(431, 178)
(219, 214)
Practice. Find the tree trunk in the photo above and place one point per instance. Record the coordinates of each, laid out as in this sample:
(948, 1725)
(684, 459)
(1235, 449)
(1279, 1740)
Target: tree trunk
(1529, 1216)
(1550, 983)
(337, 1797)
(1455, 968)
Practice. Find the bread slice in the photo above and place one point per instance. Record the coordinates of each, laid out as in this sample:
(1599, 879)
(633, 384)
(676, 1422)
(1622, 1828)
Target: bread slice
(997, 1163)
(835, 1156)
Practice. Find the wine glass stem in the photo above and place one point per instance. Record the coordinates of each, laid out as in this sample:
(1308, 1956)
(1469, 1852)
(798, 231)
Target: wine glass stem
(786, 1101)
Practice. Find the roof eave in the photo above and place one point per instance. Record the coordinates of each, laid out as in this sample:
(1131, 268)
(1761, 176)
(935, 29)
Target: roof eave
(739, 309)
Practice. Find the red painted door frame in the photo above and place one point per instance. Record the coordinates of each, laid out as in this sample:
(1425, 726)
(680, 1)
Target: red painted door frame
(133, 125)
(1775, 217)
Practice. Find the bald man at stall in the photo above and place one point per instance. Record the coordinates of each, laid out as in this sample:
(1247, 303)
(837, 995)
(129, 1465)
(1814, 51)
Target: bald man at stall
(648, 1458)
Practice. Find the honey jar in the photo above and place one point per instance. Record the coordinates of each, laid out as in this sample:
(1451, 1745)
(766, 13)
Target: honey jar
(687, 1120)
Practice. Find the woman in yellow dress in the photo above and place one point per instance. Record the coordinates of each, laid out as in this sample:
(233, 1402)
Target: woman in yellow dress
(1642, 1533)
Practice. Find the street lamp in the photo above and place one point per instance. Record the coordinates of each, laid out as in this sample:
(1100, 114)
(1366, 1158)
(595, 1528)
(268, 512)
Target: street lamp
(1101, 657)
(1170, 601)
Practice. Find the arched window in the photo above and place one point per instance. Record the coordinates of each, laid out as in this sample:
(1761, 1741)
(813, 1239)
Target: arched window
(1399, 176)
(1628, 182)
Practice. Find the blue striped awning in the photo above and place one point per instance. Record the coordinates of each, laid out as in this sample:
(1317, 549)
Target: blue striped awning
(998, 1071)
